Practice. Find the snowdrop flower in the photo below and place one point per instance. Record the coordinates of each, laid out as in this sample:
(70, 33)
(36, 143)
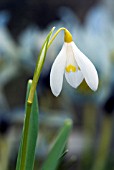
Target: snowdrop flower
(75, 65)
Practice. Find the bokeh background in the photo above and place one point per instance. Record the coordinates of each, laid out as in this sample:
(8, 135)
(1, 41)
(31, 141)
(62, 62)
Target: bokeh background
(23, 28)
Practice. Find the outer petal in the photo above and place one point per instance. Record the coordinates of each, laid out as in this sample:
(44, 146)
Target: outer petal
(57, 72)
(88, 69)
(74, 78)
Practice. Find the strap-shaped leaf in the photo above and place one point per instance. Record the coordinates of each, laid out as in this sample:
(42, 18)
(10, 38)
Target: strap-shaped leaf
(56, 152)
(31, 135)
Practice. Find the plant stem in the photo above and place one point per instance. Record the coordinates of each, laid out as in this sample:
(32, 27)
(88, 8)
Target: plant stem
(25, 136)
(36, 76)
(54, 36)
(37, 72)
(40, 62)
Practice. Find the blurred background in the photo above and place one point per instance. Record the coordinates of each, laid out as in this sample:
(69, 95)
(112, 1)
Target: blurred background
(23, 28)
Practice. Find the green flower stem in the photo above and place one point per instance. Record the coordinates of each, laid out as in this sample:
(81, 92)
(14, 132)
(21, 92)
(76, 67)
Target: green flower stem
(38, 69)
(40, 62)
(39, 65)
(36, 76)
(55, 35)
(25, 136)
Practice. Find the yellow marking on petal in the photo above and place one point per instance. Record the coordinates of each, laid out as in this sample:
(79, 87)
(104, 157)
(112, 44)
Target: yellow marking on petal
(70, 68)
(67, 36)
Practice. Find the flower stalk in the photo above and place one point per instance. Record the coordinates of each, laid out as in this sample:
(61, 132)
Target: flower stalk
(55, 35)
(39, 65)
(41, 58)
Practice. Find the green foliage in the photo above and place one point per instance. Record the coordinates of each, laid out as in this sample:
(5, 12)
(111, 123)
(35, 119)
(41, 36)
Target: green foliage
(26, 154)
(31, 135)
(57, 150)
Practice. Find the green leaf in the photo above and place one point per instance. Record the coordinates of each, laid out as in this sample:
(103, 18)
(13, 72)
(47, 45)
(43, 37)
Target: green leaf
(31, 134)
(57, 150)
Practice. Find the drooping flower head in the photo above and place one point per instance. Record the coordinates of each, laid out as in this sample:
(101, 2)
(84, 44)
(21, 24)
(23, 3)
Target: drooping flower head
(74, 64)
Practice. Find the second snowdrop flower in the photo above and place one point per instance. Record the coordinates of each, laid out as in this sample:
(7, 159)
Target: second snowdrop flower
(74, 64)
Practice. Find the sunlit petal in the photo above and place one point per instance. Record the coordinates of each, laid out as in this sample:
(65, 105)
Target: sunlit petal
(74, 78)
(57, 72)
(87, 68)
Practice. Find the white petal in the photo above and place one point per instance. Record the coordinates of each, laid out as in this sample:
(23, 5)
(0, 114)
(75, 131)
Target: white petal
(88, 69)
(57, 71)
(74, 78)
(70, 60)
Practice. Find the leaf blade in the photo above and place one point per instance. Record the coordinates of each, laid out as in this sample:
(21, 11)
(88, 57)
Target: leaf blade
(32, 135)
(56, 152)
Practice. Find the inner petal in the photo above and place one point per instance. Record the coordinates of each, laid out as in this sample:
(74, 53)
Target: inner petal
(71, 65)
(74, 78)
